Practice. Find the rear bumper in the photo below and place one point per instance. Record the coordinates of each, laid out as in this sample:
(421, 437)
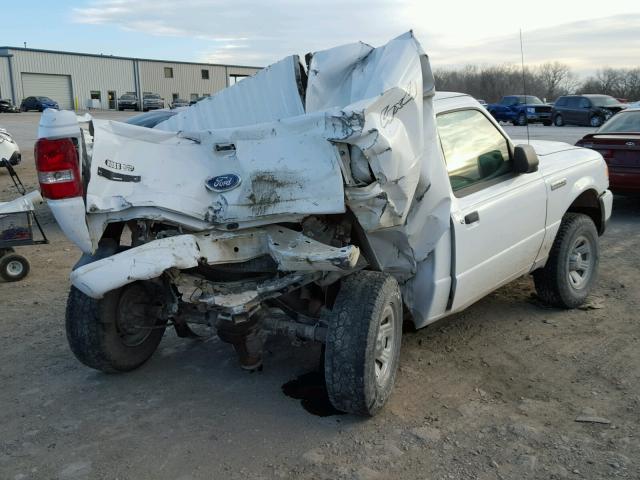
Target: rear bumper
(292, 252)
(624, 180)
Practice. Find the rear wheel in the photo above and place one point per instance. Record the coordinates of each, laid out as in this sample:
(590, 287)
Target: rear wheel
(13, 267)
(363, 343)
(117, 333)
(558, 121)
(572, 267)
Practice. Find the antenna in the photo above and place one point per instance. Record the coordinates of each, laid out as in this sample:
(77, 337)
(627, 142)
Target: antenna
(524, 84)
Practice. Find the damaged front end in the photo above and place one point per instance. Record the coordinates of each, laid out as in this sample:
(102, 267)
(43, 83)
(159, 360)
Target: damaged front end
(248, 207)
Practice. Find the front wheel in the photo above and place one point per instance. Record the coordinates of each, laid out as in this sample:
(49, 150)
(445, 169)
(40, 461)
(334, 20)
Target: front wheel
(362, 350)
(118, 332)
(572, 267)
(521, 120)
(596, 121)
(558, 121)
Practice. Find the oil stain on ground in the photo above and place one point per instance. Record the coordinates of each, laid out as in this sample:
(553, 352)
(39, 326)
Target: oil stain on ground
(310, 389)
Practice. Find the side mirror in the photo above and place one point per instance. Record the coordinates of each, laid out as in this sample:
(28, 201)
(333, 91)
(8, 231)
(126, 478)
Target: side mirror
(525, 159)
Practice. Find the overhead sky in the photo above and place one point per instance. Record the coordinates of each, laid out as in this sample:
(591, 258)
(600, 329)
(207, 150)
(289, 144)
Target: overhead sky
(588, 35)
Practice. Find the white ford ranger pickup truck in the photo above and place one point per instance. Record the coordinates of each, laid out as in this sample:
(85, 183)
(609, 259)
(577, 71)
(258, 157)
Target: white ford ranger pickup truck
(329, 202)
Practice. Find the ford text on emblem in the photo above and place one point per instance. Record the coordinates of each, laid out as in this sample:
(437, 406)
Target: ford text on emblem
(222, 183)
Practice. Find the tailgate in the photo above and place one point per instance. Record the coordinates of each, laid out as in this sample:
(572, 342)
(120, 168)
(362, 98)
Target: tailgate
(230, 176)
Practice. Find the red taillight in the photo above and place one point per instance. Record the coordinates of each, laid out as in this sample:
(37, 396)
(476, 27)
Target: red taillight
(58, 170)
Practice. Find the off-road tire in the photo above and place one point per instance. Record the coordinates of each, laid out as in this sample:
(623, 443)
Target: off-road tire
(349, 362)
(552, 282)
(93, 334)
(558, 121)
(7, 270)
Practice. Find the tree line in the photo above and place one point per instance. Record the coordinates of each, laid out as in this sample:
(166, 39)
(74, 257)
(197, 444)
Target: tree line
(547, 81)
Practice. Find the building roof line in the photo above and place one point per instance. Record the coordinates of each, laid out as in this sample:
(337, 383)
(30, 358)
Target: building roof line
(117, 57)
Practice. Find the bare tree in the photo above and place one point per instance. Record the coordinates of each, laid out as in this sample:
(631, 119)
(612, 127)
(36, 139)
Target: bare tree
(549, 81)
(556, 79)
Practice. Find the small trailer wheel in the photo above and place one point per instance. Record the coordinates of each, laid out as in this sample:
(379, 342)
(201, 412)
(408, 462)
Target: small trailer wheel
(14, 267)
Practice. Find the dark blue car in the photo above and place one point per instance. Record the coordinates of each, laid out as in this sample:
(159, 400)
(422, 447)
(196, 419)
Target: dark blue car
(520, 110)
(38, 103)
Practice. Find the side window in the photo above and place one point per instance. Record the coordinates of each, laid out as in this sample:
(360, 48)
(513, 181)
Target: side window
(562, 102)
(474, 150)
(574, 102)
(585, 103)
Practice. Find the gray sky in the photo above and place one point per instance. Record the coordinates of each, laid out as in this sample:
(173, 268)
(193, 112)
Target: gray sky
(585, 34)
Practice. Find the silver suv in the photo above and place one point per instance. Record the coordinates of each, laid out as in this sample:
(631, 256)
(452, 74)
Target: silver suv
(152, 101)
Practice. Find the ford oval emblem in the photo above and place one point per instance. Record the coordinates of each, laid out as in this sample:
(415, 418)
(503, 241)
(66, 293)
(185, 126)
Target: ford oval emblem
(223, 183)
(630, 144)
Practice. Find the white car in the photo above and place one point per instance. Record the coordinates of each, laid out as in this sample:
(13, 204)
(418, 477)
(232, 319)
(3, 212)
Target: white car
(9, 149)
(333, 210)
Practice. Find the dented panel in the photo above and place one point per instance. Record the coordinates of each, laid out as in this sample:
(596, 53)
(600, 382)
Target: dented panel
(357, 133)
(292, 251)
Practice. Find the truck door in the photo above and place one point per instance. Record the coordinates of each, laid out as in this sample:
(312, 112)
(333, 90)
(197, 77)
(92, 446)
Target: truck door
(498, 217)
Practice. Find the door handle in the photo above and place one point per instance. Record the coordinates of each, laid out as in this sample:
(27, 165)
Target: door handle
(472, 217)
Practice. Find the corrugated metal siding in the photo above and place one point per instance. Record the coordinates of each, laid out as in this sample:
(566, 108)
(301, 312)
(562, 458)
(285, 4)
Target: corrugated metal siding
(5, 82)
(187, 79)
(87, 73)
(103, 73)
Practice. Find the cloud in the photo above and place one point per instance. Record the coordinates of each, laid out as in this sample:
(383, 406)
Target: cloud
(254, 32)
(261, 32)
(585, 45)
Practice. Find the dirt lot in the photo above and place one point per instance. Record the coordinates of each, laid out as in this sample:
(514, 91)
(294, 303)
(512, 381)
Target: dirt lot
(492, 393)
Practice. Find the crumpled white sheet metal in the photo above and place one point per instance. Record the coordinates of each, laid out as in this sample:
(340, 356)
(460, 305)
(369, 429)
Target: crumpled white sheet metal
(376, 101)
(264, 97)
(288, 171)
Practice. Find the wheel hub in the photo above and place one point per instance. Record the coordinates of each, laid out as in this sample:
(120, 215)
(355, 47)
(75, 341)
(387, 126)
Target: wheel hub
(15, 268)
(580, 263)
(135, 317)
(385, 346)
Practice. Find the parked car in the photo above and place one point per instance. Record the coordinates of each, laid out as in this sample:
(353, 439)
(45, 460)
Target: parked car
(38, 103)
(128, 101)
(9, 149)
(152, 101)
(482, 102)
(151, 119)
(634, 105)
(179, 102)
(334, 225)
(520, 110)
(7, 106)
(587, 109)
(618, 141)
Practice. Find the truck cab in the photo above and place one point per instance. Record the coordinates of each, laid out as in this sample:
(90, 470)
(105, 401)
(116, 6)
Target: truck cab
(520, 110)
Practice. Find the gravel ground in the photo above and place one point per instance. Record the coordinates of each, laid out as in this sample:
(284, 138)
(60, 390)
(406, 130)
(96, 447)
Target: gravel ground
(491, 393)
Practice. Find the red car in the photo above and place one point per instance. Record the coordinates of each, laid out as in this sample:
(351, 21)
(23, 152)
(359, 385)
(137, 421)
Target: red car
(618, 141)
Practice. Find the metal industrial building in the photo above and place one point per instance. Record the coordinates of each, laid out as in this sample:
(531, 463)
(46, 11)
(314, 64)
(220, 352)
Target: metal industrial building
(77, 80)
